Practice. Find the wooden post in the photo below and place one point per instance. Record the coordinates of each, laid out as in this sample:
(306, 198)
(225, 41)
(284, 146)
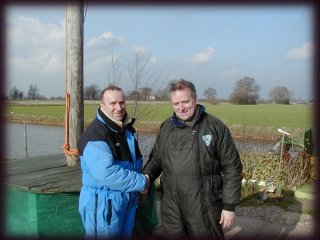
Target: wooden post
(74, 71)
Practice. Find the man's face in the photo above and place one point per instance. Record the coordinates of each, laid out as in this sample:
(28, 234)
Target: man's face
(114, 104)
(184, 104)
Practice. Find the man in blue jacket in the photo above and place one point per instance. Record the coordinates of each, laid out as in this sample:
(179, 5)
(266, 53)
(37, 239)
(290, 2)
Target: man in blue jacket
(111, 164)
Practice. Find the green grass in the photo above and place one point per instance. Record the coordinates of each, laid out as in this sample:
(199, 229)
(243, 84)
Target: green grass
(261, 115)
(292, 116)
(38, 110)
(48, 110)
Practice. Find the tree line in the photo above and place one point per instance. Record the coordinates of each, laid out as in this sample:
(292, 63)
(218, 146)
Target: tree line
(245, 92)
(147, 84)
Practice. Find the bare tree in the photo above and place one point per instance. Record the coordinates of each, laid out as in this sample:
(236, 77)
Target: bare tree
(133, 95)
(245, 91)
(15, 94)
(92, 92)
(115, 71)
(143, 75)
(164, 93)
(280, 95)
(146, 93)
(33, 92)
(211, 95)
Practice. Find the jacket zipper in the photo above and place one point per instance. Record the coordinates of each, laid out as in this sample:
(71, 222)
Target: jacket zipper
(195, 132)
(109, 214)
(95, 216)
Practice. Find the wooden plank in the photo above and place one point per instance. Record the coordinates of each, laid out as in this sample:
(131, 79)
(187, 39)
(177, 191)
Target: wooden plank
(45, 174)
(34, 180)
(28, 169)
(45, 181)
(34, 164)
(70, 185)
(58, 179)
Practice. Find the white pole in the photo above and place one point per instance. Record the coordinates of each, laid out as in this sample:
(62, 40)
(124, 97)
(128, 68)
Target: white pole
(281, 148)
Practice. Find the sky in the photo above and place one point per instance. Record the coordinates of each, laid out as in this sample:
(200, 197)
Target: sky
(212, 46)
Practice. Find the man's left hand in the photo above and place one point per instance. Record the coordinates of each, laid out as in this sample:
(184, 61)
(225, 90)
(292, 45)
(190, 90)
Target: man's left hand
(227, 218)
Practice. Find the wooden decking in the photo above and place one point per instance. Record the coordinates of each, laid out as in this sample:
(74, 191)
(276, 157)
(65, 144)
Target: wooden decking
(45, 174)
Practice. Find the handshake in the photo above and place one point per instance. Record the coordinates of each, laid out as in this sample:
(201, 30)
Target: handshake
(143, 198)
(145, 191)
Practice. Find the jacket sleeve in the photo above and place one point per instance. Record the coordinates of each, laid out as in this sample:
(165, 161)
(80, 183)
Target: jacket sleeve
(101, 166)
(153, 166)
(231, 169)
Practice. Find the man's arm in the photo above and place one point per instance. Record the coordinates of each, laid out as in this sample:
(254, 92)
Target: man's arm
(100, 165)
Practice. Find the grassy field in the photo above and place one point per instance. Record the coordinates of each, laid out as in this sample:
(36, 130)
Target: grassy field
(241, 119)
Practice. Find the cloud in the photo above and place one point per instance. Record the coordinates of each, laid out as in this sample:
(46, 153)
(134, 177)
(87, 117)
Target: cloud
(144, 55)
(44, 61)
(140, 49)
(36, 46)
(303, 52)
(26, 30)
(202, 57)
(231, 73)
(100, 64)
(153, 60)
(102, 46)
(106, 39)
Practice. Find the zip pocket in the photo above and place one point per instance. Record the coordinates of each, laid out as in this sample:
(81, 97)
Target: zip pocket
(109, 214)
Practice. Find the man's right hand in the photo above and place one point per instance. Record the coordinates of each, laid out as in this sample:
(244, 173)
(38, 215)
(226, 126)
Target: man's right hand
(145, 191)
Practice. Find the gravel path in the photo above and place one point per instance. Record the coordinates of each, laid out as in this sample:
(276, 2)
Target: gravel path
(274, 214)
(267, 214)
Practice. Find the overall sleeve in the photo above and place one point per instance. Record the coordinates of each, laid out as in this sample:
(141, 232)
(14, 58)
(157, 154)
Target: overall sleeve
(153, 165)
(231, 169)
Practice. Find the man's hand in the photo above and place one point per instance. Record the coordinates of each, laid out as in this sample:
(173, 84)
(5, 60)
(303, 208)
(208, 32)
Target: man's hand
(145, 191)
(227, 218)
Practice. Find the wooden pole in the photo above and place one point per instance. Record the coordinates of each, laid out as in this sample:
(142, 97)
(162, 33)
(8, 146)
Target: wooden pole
(74, 71)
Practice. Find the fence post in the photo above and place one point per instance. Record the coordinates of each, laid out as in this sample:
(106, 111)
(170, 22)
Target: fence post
(25, 141)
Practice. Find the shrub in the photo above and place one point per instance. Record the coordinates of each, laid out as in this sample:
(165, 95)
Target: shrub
(291, 172)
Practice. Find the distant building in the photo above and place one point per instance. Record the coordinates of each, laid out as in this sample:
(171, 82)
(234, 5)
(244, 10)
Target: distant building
(151, 97)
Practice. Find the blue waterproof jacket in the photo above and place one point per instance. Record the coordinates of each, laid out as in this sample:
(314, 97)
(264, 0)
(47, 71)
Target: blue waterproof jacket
(111, 165)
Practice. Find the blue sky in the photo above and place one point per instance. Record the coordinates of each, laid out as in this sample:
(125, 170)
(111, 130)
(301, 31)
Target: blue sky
(212, 46)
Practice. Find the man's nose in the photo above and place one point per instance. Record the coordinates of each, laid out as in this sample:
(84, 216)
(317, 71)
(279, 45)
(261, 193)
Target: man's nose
(118, 106)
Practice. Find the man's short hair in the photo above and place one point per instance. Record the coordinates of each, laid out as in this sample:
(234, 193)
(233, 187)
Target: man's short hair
(183, 84)
(110, 88)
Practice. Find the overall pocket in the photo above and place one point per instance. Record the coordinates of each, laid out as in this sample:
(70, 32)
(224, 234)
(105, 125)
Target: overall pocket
(214, 187)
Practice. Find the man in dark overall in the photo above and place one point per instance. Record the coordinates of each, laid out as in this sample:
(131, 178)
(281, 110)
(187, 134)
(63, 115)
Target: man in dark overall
(201, 169)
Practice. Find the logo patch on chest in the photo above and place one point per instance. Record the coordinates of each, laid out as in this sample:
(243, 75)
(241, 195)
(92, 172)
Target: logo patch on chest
(207, 139)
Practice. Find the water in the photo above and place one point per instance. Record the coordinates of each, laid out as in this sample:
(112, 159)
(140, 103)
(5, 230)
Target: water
(41, 140)
(44, 140)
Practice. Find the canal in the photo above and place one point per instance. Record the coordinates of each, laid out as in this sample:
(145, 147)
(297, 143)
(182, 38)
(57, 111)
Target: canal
(44, 140)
